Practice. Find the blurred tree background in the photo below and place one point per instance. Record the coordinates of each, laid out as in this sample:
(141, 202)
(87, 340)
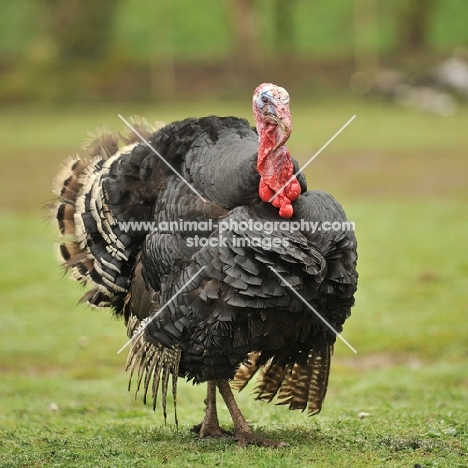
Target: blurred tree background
(114, 50)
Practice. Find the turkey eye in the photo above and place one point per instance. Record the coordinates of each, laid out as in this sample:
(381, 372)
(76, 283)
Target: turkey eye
(264, 99)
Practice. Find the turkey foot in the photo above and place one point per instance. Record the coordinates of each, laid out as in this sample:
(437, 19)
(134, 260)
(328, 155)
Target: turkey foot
(242, 432)
(210, 427)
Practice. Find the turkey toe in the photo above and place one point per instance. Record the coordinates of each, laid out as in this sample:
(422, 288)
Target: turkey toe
(210, 430)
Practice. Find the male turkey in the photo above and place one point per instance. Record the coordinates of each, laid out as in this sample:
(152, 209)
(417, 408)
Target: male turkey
(212, 306)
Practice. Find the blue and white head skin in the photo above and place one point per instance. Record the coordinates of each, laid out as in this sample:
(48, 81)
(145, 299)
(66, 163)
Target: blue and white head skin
(271, 106)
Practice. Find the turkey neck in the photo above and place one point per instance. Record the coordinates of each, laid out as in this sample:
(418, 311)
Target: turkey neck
(274, 160)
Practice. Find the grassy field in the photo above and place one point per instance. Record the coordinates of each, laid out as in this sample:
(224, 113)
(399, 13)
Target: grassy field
(400, 175)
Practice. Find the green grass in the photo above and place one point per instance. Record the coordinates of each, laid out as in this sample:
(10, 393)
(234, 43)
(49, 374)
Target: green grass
(63, 398)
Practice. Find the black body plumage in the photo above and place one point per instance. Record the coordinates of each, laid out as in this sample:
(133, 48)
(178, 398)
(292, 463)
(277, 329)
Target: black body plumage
(236, 316)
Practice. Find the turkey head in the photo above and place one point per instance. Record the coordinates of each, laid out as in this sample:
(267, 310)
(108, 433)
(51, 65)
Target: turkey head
(278, 184)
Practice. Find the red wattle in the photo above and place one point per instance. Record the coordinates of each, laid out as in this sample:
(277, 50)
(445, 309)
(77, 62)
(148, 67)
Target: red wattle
(274, 163)
(276, 202)
(286, 211)
(264, 191)
(293, 190)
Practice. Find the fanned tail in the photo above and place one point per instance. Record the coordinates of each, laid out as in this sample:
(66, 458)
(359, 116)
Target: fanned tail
(298, 385)
(94, 249)
(153, 366)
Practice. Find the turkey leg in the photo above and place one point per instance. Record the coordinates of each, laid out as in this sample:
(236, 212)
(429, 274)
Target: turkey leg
(242, 432)
(210, 427)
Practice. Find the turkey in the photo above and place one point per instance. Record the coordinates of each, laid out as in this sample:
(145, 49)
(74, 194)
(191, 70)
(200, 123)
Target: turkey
(203, 237)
